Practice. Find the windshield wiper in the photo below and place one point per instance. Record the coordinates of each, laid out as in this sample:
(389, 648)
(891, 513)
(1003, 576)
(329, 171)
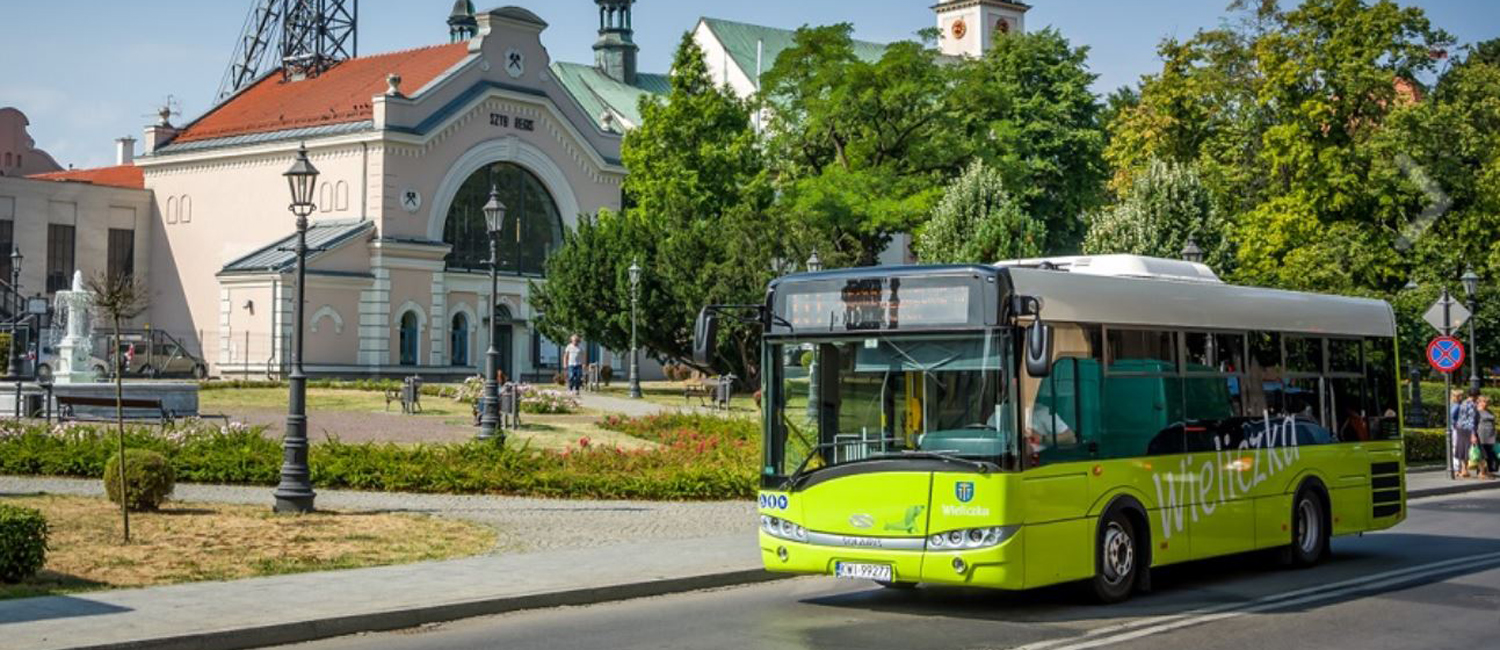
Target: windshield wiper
(946, 455)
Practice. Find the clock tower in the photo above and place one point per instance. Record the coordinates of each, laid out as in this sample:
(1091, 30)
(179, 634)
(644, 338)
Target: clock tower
(969, 27)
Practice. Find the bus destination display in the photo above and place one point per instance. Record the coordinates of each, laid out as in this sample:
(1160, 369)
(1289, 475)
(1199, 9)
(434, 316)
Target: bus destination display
(880, 303)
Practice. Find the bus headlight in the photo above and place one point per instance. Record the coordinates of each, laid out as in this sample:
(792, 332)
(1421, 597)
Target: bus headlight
(782, 529)
(970, 538)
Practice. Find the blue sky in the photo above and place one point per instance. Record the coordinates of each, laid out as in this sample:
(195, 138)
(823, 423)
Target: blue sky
(96, 71)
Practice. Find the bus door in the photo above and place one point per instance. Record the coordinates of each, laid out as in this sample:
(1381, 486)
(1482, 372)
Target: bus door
(1059, 442)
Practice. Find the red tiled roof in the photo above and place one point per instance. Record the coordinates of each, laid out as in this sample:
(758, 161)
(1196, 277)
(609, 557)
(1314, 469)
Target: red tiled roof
(339, 95)
(127, 176)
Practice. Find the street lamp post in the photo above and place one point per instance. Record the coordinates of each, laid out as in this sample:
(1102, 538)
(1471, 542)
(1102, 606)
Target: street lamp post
(635, 362)
(489, 418)
(14, 359)
(1471, 290)
(295, 492)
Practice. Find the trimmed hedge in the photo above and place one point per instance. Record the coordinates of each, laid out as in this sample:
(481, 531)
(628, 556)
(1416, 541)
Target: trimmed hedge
(697, 457)
(23, 542)
(149, 479)
(1425, 445)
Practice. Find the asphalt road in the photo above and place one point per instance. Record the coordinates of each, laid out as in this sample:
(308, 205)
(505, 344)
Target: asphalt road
(1432, 582)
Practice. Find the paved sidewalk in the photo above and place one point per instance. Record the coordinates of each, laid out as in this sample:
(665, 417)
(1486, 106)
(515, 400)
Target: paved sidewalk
(285, 609)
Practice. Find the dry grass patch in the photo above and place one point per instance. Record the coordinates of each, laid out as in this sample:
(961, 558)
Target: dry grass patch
(188, 542)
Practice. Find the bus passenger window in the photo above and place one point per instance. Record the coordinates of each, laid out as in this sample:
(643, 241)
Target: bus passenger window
(1264, 376)
(1380, 389)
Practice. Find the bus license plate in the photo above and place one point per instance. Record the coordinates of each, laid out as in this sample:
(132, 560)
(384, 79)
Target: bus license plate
(881, 572)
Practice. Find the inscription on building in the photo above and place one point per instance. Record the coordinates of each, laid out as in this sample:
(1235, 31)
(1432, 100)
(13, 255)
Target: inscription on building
(505, 121)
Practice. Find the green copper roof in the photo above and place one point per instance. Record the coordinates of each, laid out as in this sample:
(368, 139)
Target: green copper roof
(740, 40)
(597, 92)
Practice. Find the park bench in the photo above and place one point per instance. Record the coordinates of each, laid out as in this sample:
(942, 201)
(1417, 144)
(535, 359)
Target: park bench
(136, 409)
(714, 391)
(410, 395)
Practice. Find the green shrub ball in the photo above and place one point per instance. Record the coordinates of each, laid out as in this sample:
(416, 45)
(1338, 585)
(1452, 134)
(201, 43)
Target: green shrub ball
(23, 542)
(148, 474)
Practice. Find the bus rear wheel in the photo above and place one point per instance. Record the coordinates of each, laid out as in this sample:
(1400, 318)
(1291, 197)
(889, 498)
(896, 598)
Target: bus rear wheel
(1309, 543)
(1116, 559)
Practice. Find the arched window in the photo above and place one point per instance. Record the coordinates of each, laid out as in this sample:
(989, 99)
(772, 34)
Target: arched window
(411, 337)
(532, 225)
(7, 159)
(459, 339)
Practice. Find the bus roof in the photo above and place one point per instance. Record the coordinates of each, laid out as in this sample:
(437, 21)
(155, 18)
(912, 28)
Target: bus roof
(1194, 303)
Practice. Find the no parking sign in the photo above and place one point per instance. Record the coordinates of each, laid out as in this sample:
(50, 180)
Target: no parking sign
(1445, 353)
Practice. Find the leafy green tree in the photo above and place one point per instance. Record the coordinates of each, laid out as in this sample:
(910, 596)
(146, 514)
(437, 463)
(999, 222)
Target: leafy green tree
(1165, 206)
(696, 223)
(1026, 108)
(860, 148)
(979, 222)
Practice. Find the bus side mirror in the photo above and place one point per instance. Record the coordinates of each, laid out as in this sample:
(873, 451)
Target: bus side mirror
(705, 337)
(1038, 349)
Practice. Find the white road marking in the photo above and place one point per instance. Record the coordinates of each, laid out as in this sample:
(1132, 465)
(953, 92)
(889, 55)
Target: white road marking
(1165, 623)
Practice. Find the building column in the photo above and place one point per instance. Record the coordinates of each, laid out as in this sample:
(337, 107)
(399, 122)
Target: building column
(439, 321)
(375, 319)
(226, 309)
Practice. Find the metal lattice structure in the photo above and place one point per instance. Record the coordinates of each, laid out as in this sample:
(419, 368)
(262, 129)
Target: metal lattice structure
(308, 36)
(317, 34)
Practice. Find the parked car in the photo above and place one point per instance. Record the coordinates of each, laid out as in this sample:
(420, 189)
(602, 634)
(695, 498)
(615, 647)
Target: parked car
(154, 353)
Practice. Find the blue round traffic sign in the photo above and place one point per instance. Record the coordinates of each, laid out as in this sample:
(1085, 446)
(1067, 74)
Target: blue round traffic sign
(1445, 353)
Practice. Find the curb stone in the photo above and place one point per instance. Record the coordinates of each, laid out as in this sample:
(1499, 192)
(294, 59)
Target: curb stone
(1470, 485)
(312, 630)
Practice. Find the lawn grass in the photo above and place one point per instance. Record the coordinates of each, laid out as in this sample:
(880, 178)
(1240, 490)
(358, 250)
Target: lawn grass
(190, 542)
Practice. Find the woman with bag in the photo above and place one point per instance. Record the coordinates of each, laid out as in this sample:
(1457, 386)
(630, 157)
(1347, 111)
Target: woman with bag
(1457, 432)
(1484, 438)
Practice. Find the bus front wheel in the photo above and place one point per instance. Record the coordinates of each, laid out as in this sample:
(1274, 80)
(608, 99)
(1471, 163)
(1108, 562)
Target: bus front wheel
(1309, 543)
(1116, 558)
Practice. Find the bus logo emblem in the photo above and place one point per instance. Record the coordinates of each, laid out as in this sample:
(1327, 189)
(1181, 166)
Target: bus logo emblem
(964, 490)
(861, 521)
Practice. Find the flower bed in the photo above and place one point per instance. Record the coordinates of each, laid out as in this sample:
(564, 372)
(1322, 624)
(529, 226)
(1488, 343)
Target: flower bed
(696, 457)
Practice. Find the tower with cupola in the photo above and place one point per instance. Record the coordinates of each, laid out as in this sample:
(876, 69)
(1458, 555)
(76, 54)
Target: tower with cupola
(615, 51)
(970, 27)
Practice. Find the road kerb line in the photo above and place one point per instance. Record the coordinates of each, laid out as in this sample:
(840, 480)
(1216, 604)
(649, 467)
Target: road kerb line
(1090, 639)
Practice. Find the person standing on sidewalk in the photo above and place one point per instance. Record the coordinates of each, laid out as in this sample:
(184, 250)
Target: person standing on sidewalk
(1459, 461)
(1484, 436)
(573, 359)
(1464, 422)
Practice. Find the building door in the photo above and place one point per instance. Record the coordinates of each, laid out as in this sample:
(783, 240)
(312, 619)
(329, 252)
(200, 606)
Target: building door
(505, 341)
(410, 335)
(459, 339)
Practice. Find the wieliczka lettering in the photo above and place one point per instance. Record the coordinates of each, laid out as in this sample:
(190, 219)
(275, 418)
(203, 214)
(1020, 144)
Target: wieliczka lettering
(1199, 489)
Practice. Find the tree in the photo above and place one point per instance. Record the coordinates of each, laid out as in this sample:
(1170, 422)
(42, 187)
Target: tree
(979, 222)
(860, 144)
(696, 221)
(1026, 108)
(1165, 206)
(119, 298)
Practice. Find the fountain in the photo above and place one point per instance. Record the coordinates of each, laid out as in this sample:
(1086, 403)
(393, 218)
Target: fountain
(75, 352)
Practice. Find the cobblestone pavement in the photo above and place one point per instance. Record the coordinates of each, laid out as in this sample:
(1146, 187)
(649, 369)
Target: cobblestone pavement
(524, 524)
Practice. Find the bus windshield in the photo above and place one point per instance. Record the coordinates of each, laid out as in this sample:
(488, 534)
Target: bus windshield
(880, 396)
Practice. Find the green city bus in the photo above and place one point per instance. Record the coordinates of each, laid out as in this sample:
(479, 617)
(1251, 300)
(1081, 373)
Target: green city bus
(1070, 419)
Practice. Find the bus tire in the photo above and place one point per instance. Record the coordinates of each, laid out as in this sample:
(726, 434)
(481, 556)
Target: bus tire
(897, 585)
(1117, 558)
(1310, 533)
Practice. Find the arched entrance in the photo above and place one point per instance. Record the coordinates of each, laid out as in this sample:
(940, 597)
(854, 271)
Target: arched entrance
(505, 340)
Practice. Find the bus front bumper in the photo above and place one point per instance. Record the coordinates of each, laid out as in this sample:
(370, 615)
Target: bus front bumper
(996, 567)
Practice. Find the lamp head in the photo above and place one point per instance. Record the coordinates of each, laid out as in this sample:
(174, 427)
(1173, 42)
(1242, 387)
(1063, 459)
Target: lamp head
(635, 274)
(301, 178)
(494, 212)
(813, 263)
(1191, 252)
(1471, 282)
(15, 259)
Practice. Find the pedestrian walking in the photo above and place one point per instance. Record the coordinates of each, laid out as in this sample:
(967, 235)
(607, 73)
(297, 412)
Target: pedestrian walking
(573, 359)
(1484, 437)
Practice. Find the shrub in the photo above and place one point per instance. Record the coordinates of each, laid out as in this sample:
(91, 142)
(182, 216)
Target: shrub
(606, 374)
(559, 378)
(546, 401)
(23, 542)
(807, 358)
(1425, 445)
(148, 475)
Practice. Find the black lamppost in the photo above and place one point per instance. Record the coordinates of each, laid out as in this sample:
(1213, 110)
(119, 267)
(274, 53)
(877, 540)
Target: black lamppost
(15, 360)
(489, 419)
(635, 369)
(1191, 252)
(1416, 415)
(813, 266)
(1471, 290)
(295, 493)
